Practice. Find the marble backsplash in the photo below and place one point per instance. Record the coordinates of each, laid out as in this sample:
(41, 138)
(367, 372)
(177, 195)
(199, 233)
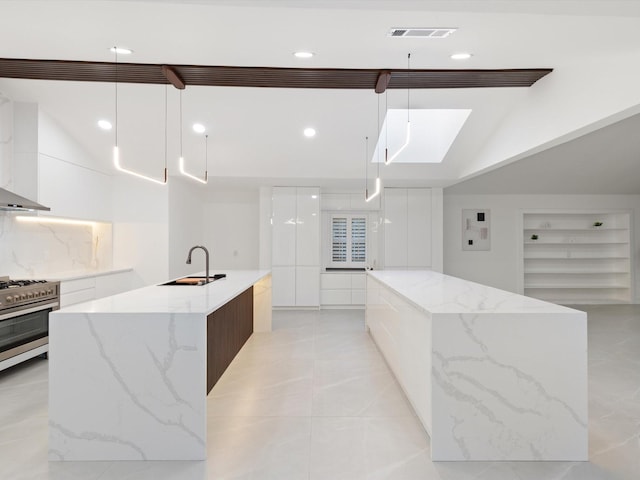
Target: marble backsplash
(42, 250)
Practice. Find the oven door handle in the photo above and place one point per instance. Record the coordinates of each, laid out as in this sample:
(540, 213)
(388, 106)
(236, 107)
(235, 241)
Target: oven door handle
(6, 316)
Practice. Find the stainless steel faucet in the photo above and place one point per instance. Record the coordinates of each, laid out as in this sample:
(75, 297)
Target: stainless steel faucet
(206, 253)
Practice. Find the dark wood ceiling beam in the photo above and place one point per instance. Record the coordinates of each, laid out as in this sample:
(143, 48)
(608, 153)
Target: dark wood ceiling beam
(173, 78)
(269, 77)
(384, 77)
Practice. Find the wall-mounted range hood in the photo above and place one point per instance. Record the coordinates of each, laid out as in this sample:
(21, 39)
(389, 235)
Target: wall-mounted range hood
(11, 201)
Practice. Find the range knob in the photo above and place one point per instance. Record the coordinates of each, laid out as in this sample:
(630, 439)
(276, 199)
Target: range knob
(42, 293)
(16, 298)
(36, 293)
(29, 294)
(49, 292)
(9, 299)
(23, 296)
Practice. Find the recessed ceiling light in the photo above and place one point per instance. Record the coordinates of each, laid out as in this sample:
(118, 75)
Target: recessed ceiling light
(121, 50)
(309, 132)
(104, 124)
(303, 54)
(461, 56)
(198, 128)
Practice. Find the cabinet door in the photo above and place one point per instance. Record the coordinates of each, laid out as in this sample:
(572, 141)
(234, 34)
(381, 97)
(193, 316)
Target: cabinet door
(307, 286)
(284, 226)
(283, 286)
(418, 227)
(395, 227)
(308, 226)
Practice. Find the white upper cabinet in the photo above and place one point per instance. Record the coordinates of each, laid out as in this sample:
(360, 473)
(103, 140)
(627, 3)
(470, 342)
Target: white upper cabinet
(407, 227)
(296, 246)
(395, 228)
(284, 226)
(418, 227)
(308, 227)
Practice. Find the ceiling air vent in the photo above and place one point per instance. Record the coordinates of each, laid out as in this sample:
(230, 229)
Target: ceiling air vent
(421, 32)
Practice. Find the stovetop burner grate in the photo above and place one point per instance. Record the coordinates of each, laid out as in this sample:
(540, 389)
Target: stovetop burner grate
(18, 283)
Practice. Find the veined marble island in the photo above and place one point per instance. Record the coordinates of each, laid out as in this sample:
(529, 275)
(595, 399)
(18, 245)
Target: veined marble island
(491, 374)
(128, 374)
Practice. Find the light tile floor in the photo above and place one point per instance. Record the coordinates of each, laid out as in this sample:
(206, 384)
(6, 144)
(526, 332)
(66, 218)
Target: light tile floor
(315, 400)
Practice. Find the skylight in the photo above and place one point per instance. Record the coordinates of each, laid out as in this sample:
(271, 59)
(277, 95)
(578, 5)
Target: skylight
(433, 131)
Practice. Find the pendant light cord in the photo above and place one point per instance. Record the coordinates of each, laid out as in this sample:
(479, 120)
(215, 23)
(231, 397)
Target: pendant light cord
(181, 124)
(378, 125)
(166, 133)
(386, 124)
(115, 50)
(206, 157)
(408, 86)
(366, 169)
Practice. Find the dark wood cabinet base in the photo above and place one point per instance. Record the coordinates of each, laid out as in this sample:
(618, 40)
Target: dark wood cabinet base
(228, 329)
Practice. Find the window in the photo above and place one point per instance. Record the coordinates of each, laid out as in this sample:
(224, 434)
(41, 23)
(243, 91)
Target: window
(348, 246)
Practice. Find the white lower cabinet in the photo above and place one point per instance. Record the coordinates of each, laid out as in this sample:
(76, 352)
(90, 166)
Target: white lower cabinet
(283, 286)
(112, 284)
(295, 286)
(77, 291)
(307, 286)
(342, 288)
(92, 287)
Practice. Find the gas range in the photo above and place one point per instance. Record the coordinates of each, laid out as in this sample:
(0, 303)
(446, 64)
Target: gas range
(25, 306)
(23, 293)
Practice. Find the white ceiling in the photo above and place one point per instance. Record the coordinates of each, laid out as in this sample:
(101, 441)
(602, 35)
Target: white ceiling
(255, 135)
(606, 161)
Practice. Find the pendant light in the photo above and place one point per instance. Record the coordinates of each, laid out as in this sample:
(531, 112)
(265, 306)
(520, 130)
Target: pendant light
(116, 150)
(206, 153)
(388, 159)
(368, 197)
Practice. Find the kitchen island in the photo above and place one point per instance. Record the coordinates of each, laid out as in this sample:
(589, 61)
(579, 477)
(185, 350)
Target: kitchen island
(129, 374)
(492, 375)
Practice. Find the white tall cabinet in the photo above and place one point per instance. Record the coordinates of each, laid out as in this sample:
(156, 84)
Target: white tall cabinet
(407, 227)
(295, 255)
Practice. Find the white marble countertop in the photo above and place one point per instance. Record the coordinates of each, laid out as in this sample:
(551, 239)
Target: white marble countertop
(434, 292)
(201, 299)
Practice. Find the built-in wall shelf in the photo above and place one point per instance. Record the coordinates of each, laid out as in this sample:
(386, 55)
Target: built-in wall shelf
(577, 257)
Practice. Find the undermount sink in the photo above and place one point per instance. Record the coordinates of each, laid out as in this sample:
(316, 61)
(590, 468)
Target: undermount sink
(194, 281)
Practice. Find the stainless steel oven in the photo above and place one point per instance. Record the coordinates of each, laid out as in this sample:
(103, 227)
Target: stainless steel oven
(24, 318)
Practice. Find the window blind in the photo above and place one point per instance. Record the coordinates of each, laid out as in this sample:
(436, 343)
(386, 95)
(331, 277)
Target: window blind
(358, 239)
(338, 239)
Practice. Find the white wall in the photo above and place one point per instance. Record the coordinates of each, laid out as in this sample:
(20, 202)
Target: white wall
(186, 227)
(140, 229)
(6, 141)
(232, 228)
(499, 267)
(43, 163)
(68, 182)
(555, 111)
(24, 161)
